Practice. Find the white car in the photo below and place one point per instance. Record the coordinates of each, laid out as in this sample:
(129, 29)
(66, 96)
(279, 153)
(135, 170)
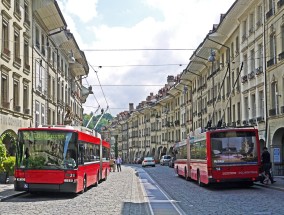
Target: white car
(148, 161)
(165, 159)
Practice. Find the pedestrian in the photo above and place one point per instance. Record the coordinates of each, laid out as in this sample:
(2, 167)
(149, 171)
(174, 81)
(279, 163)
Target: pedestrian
(266, 164)
(118, 163)
(112, 164)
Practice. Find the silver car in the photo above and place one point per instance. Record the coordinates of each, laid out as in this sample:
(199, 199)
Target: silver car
(148, 161)
(165, 159)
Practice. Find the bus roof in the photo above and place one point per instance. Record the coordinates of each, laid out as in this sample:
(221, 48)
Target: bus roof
(65, 127)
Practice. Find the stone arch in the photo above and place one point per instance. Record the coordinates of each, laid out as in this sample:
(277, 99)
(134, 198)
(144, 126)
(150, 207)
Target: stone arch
(153, 152)
(278, 142)
(159, 151)
(9, 138)
(164, 151)
(171, 151)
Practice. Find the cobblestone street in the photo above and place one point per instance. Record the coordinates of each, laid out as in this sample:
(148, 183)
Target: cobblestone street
(120, 194)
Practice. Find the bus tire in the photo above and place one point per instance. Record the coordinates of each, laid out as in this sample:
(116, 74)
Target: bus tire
(199, 179)
(84, 185)
(177, 171)
(185, 174)
(105, 175)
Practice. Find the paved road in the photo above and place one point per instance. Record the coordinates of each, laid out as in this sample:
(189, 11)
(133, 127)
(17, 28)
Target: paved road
(230, 199)
(162, 193)
(120, 194)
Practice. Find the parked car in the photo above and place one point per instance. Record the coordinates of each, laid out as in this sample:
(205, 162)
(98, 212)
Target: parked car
(172, 162)
(165, 159)
(138, 160)
(148, 161)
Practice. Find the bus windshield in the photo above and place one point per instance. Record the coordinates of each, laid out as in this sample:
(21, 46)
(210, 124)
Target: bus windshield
(233, 147)
(46, 149)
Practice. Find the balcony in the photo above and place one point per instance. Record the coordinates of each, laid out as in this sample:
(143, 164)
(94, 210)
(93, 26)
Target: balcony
(272, 112)
(6, 54)
(280, 3)
(17, 108)
(27, 111)
(271, 62)
(269, 13)
(6, 105)
(251, 75)
(259, 70)
(281, 56)
(17, 62)
(260, 119)
(244, 79)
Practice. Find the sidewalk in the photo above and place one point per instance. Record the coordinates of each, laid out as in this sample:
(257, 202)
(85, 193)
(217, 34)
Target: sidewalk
(278, 185)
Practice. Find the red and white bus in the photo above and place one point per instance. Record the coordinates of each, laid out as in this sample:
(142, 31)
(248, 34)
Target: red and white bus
(60, 159)
(219, 155)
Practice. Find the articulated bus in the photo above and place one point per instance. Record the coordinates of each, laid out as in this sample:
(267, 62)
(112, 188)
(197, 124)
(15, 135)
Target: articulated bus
(219, 155)
(60, 159)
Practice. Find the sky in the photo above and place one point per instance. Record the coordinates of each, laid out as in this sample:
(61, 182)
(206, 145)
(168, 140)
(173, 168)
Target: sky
(132, 46)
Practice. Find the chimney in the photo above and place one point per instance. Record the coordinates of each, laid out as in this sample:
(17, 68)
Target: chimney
(171, 80)
(131, 107)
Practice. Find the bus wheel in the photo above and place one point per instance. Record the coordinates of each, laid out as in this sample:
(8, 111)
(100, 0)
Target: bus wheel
(185, 174)
(199, 180)
(105, 175)
(84, 185)
(97, 182)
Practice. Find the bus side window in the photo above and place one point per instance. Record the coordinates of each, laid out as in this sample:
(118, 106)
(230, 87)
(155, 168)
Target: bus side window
(81, 153)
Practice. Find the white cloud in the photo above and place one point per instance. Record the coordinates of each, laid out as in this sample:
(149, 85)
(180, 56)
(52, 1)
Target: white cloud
(185, 25)
(84, 10)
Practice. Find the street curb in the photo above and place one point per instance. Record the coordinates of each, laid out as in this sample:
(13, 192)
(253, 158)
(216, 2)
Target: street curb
(270, 187)
(12, 196)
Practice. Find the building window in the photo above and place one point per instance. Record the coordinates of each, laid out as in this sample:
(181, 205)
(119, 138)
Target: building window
(37, 122)
(38, 76)
(246, 108)
(245, 64)
(26, 17)
(49, 116)
(26, 55)
(37, 37)
(272, 50)
(253, 106)
(260, 56)
(261, 103)
(4, 89)
(273, 95)
(282, 38)
(17, 7)
(42, 114)
(26, 97)
(16, 91)
(43, 44)
(17, 47)
(251, 23)
(5, 37)
(252, 60)
(259, 16)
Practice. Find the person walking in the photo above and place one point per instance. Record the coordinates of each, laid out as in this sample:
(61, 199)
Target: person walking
(118, 163)
(112, 164)
(266, 163)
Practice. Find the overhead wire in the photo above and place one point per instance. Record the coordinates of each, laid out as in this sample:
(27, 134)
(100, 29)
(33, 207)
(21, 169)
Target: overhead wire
(100, 85)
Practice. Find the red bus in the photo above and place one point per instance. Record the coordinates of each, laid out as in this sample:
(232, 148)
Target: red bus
(219, 155)
(60, 159)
